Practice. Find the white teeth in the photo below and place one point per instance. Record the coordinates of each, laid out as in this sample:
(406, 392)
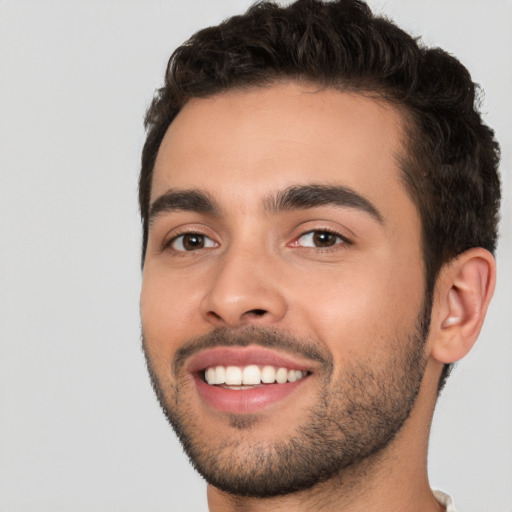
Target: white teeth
(268, 375)
(210, 375)
(233, 376)
(281, 375)
(220, 375)
(251, 375)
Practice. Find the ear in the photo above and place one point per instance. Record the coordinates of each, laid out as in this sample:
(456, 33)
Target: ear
(463, 291)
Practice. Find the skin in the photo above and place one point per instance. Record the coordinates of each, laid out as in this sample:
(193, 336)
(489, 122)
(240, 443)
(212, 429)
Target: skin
(355, 300)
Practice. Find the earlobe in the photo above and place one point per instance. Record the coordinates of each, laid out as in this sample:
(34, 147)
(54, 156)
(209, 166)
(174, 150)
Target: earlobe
(463, 292)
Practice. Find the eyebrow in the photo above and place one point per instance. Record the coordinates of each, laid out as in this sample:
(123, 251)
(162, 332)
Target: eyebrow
(299, 197)
(311, 196)
(182, 200)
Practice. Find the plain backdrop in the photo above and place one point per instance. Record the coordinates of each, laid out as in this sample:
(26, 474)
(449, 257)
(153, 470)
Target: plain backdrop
(80, 430)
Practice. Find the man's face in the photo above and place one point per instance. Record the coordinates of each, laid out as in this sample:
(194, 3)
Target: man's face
(284, 251)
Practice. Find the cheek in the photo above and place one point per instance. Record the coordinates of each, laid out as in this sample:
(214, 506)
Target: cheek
(168, 308)
(356, 310)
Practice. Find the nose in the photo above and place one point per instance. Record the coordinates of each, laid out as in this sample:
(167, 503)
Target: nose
(244, 290)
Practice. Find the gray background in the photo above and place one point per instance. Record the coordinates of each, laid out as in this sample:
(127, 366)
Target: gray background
(80, 429)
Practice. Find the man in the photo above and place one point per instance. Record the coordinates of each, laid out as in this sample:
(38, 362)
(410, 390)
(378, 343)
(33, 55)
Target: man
(320, 201)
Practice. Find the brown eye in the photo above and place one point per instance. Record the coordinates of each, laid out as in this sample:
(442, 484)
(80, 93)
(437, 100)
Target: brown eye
(324, 239)
(191, 242)
(320, 239)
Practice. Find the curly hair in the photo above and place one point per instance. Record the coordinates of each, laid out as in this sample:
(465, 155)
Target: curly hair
(451, 160)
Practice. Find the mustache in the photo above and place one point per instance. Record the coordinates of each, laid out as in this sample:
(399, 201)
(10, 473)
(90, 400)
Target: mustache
(267, 337)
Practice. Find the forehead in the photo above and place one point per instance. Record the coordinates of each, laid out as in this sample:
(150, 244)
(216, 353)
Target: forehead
(241, 146)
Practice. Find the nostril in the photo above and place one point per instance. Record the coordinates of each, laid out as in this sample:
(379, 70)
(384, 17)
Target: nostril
(247, 316)
(256, 312)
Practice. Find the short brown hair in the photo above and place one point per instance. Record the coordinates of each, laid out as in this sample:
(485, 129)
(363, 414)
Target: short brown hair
(450, 168)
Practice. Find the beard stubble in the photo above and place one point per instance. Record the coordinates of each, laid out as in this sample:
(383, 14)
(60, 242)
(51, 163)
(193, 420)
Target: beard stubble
(358, 413)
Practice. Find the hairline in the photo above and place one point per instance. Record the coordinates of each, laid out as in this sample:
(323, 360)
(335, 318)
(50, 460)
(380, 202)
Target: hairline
(405, 158)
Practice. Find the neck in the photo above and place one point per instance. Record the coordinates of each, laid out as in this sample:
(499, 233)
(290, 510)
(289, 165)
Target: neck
(393, 480)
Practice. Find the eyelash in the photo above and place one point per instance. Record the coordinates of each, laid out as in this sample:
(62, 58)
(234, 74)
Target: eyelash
(175, 238)
(340, 241)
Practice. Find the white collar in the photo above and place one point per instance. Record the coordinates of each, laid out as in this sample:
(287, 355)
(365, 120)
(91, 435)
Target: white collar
(445, 500)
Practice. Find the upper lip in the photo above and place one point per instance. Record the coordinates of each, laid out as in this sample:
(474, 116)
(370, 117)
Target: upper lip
(244, 356)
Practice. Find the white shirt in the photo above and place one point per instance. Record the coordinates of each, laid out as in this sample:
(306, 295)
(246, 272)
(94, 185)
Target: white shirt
(445, 500)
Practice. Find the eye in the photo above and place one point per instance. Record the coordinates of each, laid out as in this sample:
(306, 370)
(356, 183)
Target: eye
(191, 242)
(321, 239)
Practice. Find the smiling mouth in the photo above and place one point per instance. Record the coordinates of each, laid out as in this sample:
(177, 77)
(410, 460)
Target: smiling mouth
(247, 377)
(244, 380)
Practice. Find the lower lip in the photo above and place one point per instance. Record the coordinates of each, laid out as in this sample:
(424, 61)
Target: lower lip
(245, 401)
